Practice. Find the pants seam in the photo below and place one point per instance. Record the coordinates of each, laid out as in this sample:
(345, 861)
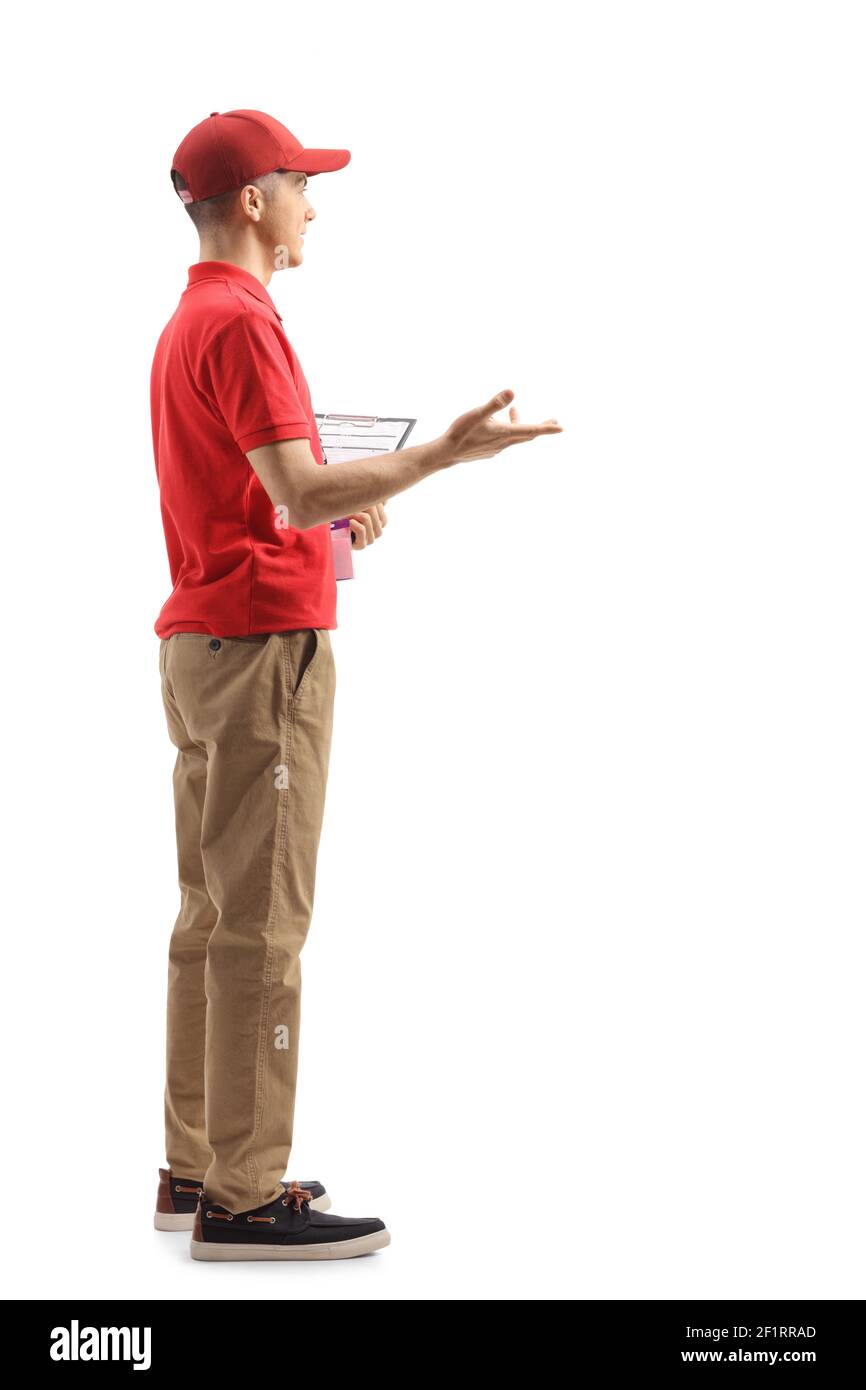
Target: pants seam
(282, 835)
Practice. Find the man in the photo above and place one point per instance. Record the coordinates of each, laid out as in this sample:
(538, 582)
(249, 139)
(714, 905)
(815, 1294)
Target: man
(248, 684)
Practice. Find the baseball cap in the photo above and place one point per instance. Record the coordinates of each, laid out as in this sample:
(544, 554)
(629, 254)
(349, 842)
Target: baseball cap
(232, 148)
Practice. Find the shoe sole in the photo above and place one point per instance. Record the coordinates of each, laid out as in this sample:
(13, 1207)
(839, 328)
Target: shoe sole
(184, 1221)
(341, 1250)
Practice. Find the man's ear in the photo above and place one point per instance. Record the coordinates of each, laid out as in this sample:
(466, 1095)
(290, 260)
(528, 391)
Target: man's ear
(252, 202)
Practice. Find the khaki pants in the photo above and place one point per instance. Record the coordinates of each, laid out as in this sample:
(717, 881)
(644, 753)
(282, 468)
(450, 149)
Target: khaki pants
(251, 718)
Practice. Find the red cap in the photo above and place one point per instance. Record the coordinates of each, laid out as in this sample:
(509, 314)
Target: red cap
(226, 151)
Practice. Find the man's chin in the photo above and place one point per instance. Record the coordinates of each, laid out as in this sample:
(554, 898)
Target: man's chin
(289, 261)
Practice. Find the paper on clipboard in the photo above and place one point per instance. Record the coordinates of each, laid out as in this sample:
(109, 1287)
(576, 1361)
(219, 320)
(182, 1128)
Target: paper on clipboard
(345, 437)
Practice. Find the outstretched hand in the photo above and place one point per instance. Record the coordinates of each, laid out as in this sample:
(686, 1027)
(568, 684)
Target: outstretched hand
(477, 435)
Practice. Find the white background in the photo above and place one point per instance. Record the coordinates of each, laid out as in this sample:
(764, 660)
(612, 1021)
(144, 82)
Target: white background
(583, 991)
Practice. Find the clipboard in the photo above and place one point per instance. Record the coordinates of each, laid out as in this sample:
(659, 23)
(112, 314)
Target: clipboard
(344, 437)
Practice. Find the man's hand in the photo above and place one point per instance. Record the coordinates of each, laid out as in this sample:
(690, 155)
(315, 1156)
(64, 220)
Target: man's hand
(366, 525)
(476, 435)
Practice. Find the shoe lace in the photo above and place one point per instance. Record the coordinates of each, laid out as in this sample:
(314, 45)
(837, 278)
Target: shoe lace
(297, 1194)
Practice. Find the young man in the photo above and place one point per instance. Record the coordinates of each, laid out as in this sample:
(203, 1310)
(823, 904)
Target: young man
(248, 684)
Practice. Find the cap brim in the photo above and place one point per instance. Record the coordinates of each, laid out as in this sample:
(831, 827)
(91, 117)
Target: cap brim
(319, 161)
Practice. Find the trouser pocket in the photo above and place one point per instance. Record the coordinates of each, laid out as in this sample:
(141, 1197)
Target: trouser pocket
(305, 645)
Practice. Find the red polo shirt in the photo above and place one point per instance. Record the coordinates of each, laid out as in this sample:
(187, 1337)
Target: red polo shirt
(225, 379)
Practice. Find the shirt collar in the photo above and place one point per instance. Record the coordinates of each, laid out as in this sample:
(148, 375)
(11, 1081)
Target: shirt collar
(227, 270)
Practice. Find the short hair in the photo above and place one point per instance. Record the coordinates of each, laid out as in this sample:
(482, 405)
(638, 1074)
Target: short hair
(208, 214)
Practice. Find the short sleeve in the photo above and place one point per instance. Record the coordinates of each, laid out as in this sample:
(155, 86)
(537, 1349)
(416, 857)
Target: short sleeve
(246, 374)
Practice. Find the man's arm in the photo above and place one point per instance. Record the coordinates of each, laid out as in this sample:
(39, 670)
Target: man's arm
(312, 495)
(291, 477)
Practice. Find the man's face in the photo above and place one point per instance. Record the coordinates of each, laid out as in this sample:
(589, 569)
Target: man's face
(289, 212)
